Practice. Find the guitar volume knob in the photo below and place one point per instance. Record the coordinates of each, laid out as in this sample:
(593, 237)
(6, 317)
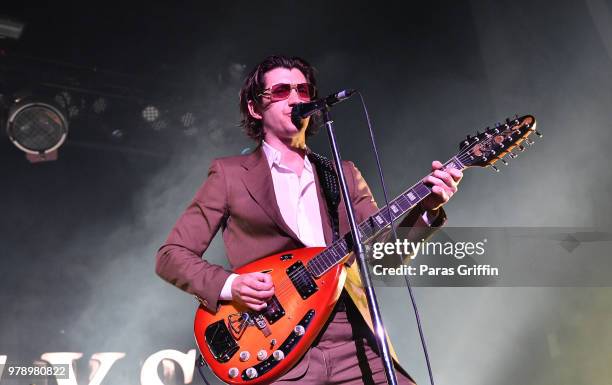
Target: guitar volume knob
(233, 372)
(251, 373)
(262, 355)
(244, 356)
(299, 330)
(278, 355)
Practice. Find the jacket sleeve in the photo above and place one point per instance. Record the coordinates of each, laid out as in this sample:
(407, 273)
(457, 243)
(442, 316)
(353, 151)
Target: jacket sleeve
(179, 260)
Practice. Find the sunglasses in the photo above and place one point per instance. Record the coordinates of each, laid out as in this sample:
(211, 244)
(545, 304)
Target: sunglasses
(281, 91)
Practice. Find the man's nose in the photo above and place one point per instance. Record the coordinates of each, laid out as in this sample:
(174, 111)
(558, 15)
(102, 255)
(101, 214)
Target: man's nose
(293, 97)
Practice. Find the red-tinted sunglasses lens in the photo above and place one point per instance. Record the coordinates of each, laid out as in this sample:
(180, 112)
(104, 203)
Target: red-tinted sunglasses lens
(305, 91)
(281, 91)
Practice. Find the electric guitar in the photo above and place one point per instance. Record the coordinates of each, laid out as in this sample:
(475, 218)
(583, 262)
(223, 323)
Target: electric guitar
(242, 346)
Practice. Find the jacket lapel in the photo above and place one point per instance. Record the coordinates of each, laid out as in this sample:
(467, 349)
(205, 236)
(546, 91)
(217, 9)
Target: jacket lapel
(258, 181)
(325, 220)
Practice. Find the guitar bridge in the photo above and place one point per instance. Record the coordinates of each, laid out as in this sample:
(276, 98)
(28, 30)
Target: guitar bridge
(220, 341)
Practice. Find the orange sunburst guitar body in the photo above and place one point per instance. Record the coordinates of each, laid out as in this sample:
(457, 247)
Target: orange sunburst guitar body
(241, 346)
(246, 347)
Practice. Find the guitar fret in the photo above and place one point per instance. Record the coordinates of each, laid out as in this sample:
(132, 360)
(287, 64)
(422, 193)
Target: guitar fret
(366, 229)
(422, 190)
(328, 261)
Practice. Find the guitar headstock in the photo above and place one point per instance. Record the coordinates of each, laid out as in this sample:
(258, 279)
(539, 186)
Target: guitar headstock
(493, 144)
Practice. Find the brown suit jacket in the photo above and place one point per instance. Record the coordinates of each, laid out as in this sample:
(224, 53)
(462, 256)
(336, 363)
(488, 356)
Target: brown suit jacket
(239, 198)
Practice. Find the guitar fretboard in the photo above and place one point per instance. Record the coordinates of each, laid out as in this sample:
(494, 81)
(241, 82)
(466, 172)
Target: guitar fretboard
(375, 224)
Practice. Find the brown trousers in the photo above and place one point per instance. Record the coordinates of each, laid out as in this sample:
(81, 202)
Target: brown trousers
(345, 353)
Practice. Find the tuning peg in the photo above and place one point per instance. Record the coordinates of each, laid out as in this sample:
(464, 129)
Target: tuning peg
(529, 142)
(521, 147)
(507, 121)
(503, 161)
(498, 124)
(512, 155)
(477, 132)
(495, 168)
(539, 134)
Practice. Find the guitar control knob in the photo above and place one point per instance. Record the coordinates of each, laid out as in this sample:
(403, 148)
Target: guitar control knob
(244, 356)
(251, 373)
(233, 372)
(262, 355)
(278, 355)
(299, 330)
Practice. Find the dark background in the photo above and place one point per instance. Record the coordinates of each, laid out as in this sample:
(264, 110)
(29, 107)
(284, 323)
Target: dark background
(79, 234)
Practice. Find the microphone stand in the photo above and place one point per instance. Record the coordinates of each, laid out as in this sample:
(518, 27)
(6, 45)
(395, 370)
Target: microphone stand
(359, 250)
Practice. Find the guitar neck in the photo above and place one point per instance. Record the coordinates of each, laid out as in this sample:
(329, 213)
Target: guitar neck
(376, 223)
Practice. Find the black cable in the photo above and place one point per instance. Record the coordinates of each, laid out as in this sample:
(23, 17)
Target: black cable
(408, 285)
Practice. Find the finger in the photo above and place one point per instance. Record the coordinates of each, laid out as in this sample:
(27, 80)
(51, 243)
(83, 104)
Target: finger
(252, 301)
(436, 165)
(456, 174)
(441, 192)
(449, 183)
(445, 176)
(259, 282)
(433, 181)
(248, 292)
(262, 277)
(257, 307)
(263, 294)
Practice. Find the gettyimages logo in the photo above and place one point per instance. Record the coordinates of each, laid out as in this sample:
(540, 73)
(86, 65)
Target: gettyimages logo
(459, 250)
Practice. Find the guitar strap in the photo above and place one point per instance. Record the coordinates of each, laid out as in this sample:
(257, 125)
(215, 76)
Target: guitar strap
(331, 189)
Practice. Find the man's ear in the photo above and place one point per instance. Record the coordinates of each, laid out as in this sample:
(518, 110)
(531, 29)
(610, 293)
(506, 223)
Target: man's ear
(253, 111)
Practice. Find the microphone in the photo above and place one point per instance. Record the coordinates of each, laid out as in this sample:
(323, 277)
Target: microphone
(304, 110)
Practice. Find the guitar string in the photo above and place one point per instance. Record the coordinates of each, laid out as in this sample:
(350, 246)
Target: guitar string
(285, 284)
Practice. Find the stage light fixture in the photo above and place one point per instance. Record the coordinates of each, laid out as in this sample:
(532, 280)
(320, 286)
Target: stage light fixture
(37, 128)
(99, 105)
(159, 125)
(66, 100)
(187, 119)
(150, 113)
(11, 29)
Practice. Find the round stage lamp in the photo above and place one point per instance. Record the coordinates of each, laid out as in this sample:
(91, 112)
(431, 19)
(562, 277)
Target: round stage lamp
(37, 128)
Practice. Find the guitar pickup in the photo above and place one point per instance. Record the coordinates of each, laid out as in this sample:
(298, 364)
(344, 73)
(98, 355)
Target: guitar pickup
(274, 310)
(302, 280)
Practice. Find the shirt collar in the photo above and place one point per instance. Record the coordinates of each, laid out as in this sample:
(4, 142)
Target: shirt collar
(273, 156)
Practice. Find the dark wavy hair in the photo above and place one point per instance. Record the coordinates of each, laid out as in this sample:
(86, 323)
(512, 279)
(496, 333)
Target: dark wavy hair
(254, 85)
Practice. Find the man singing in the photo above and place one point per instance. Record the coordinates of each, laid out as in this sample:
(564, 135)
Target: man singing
(270, 201)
